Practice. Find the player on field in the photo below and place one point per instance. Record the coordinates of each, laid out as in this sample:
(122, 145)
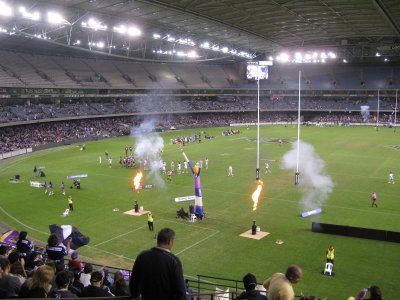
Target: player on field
(185, 166)
(44, 184)
(179, 168)
(267, 169)
(51, 190)
(230, 171)
(62, 187)
(374, 197)
(391, 177)
(206, 163)
(169, 175)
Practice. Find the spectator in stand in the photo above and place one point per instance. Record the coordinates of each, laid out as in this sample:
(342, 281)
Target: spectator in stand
(76, 286)
(280, 286)
(95, 288)
(39, 285)
(250, 283)
(85, 276)
(14, 256)
(9, 285)
(56, 251)
(24, 245)
(17, 270)
(33, 262)
(374, 292)
(3, 251)
(121, 287)
(75, 262)
(63, 281)
(157, 273)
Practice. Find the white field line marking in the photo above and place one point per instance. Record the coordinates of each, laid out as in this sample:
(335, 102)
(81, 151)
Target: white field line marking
(118, 236)
(189, 225)
(111, 253)
(195, 244)
(23, 224)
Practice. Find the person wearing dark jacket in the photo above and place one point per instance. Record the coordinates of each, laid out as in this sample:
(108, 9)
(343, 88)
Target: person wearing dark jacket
(95, 288)
(250, 293)
(157, 273)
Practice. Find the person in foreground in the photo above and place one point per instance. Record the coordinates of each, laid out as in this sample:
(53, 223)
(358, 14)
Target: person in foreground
(280, 286)
(157, 273)
(250, 283)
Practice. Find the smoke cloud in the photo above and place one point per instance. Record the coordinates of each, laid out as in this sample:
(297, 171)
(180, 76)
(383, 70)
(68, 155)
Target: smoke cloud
(315, 185)
(365, 112)
(148, 145)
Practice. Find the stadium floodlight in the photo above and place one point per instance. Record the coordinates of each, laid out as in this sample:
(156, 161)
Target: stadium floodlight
(156, 36)
(192, 54)
(205, 45)
(170, 38)
(134, 31)
(377, 54)
(120, 29)
(283, 57)
(55, 18)
(3, 30)
(386, 59)
(5, 10)
(29, 15)
(94, 24)
(345, 61)
(224, 49)
(331, 55)
(298, 57)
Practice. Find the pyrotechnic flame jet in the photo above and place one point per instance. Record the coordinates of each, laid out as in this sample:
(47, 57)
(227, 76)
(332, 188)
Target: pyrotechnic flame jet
(137, 179)
(256, 194)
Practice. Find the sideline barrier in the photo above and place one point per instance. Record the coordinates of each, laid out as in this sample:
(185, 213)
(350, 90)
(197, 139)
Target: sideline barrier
(360, 232)
(15, 153)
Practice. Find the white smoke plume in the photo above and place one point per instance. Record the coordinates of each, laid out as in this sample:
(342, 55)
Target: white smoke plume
(365, 112)
(148, 146)
(315, 185)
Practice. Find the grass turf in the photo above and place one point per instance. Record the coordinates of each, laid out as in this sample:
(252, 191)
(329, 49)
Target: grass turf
(358, 160)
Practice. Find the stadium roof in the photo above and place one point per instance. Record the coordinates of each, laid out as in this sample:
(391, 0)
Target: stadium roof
(217, 30)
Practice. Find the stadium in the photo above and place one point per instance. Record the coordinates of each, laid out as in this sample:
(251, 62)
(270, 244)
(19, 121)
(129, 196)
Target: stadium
(108, 109)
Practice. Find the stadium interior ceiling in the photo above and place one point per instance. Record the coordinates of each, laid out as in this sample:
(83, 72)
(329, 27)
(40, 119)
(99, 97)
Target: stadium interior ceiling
(223, 31)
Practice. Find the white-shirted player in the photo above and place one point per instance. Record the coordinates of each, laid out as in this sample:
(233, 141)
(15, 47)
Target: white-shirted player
(230, 171)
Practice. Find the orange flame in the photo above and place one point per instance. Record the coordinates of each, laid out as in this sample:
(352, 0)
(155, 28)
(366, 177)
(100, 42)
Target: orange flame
(256, 194)
(137, 179)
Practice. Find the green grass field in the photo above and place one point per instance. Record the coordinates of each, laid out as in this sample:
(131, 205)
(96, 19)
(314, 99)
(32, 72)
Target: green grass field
(358, 160)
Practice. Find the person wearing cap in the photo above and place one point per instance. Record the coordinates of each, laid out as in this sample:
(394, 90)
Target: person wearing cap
(250, 293)
(280, 286)
(150, 221)
(157, 273)
(75, 262)
(95, 288)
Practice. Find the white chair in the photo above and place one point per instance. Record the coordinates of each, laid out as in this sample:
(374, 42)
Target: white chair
(66, 212)
(328, 269)
(193, 218)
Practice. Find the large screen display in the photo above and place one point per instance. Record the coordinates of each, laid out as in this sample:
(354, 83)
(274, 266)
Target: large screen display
(257, 70)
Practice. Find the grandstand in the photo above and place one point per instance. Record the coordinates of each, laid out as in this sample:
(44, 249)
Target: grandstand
(96, 73)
